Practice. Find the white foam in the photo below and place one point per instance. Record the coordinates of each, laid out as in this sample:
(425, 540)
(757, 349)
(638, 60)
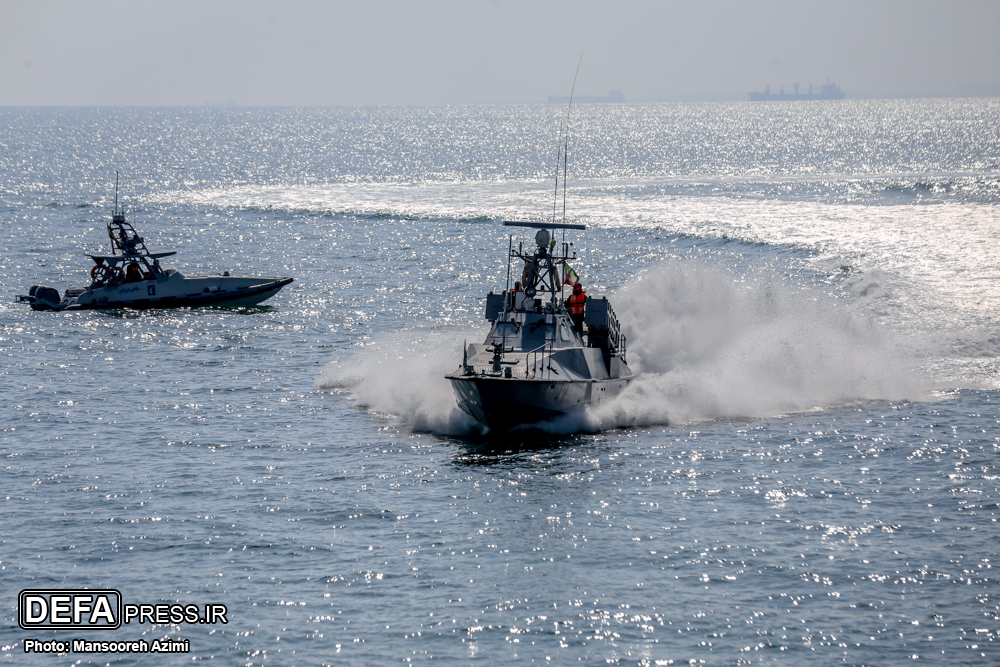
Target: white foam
(403, 376)
(708, 343)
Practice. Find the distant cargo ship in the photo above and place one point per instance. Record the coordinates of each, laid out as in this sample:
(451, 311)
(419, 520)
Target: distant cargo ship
(830, 91)
(613, 96)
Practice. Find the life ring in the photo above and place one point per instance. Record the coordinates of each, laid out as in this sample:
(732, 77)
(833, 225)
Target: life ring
(99, 273)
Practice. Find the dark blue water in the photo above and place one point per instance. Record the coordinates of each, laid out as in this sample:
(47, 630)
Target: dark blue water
(806, 469)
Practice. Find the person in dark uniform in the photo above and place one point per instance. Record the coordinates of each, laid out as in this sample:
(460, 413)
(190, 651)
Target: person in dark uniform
(132, 273)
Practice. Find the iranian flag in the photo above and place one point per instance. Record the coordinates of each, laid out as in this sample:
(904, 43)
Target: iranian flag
(569, 275)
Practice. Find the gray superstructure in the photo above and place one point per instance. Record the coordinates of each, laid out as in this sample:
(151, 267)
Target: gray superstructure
(534, 364)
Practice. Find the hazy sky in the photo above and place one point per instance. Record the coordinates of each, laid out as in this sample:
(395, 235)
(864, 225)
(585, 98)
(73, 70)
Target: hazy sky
(308, 53)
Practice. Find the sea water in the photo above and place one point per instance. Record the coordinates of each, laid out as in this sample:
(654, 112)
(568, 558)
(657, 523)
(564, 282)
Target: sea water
(804, 470)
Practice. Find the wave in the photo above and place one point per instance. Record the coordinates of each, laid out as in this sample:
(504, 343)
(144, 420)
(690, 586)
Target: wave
(458, 202)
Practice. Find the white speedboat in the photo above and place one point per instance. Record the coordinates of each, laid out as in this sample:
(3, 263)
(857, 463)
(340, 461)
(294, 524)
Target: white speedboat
(130, 276)
(536, 363)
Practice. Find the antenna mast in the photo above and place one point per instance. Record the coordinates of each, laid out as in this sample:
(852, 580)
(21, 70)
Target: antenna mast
(564, 146)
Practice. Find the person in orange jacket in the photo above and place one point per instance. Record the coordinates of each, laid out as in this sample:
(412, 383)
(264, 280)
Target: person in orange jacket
(576, 303)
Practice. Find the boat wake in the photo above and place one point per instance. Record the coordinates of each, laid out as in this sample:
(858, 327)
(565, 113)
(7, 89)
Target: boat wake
(705, 342)
(402, 376)
(708, 344)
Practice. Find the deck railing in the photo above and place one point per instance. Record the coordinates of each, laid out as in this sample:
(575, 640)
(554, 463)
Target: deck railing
(531, 368)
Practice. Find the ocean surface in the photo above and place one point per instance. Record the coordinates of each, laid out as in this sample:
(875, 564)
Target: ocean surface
(806, 469)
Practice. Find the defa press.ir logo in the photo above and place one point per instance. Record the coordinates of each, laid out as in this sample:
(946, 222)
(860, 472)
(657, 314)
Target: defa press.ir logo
(103, 609)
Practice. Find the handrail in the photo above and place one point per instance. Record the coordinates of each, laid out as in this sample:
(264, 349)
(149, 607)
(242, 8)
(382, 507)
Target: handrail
(534, 365)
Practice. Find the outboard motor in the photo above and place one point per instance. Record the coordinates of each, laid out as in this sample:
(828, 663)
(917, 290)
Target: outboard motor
(43, 297)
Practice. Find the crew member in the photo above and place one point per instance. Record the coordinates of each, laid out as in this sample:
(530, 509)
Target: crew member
(132, 273)
(576, 303)
(512, 296)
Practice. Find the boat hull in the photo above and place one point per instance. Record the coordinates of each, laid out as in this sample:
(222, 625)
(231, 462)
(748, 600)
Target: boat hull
(172, 292)
(502, 404)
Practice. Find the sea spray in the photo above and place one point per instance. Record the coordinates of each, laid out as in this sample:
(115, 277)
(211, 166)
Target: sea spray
(709, 343)
(403, 375)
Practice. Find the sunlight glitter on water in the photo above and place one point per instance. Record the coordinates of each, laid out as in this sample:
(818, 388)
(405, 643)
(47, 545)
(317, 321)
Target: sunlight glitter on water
(789, 277)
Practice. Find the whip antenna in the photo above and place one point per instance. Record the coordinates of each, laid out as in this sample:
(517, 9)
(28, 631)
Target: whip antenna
(563, 146)
(566, 146)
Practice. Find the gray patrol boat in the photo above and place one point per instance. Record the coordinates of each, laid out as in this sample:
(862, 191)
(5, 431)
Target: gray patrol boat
(130, 276)
(536, 363)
